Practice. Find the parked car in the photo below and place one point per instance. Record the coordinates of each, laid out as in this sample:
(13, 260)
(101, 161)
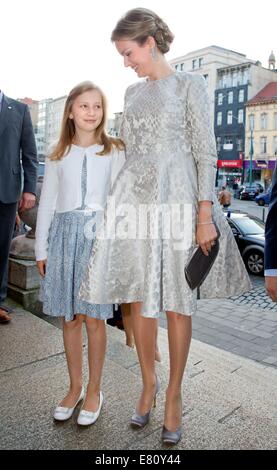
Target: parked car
(257, 188)
(249, 234)
(249, 192)
(263, 199)
(260, 187)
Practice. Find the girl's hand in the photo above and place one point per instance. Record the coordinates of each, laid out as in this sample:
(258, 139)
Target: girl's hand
(205, 237)
(42, 267)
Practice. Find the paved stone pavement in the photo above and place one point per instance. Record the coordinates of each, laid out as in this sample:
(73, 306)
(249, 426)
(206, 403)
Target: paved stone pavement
(257, 297)
(244, 326)
(229, 402)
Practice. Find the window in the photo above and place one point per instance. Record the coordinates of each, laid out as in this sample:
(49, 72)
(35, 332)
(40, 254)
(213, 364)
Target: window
(263, 144)
(206, 76)
(263, 121)
(219, 99)
(218, 143)
(229, 117)
(234, 79)
(251, 122)
(241, 96)
(275, 145)
(275, 120)
(239, 144)
(228, 143)
(224, 81)
(230, 97)
(182, 67)
(176, 67)
(245, 76)
(219, 118)
(200, 62)
(240, 78)
(194, 64)
(240, 116)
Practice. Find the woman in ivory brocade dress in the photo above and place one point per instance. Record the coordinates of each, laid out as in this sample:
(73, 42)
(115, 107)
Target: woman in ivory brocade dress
(170, 159)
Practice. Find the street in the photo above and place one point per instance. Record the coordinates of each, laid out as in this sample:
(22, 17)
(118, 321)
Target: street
(251, 207)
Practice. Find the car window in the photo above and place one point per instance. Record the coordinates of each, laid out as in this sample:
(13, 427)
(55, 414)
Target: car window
(250, 226)
(232, 225)
(41, 168)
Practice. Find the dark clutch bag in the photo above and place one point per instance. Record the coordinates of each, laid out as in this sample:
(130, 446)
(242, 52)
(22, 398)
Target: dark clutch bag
(199, 265)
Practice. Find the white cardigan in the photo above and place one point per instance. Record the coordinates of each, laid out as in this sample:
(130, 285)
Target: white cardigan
(62, 192)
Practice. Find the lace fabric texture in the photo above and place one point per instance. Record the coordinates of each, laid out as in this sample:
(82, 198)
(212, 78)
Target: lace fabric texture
(170, 159)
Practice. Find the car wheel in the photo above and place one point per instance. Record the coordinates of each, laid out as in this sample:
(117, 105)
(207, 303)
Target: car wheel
(254, 262)
(261, 202)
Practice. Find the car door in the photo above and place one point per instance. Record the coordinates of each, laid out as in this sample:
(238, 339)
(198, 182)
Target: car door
(237, 234)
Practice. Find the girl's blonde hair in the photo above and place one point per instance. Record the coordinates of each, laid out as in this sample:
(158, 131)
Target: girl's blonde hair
(140, 23)
(67, 134)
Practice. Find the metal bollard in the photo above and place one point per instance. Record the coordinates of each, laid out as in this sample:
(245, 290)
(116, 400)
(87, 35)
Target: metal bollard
(263, 218)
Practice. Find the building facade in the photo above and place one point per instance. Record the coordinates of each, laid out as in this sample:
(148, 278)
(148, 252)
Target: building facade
(261, 134)
(55, 111)
(41, 136)
(206, 62)
(236, 85)
(33, 108)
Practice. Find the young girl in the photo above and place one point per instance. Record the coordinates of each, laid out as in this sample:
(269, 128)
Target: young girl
(78, 176)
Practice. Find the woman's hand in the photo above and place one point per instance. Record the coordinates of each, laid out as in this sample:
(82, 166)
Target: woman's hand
(205, 232)
(205, 237)
(42, 267)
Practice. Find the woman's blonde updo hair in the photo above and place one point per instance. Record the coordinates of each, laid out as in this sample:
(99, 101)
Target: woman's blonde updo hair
(140, 23)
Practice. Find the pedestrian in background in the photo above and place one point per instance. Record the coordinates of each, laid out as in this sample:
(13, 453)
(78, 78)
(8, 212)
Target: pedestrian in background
(224, 197)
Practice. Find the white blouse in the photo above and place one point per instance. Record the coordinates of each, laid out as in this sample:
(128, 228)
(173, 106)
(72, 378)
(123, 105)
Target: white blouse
(61, 189)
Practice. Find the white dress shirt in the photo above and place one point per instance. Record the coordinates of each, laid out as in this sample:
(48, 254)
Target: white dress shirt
(270, 272)
(62, 191)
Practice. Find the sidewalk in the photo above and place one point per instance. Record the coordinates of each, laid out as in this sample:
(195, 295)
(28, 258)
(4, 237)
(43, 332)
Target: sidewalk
(229, 402)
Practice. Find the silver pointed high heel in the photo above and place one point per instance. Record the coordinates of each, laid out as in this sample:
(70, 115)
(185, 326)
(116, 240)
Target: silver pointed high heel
(139, 421)
(171, 437)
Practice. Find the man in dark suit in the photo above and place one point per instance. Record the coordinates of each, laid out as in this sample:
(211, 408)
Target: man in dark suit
(17, 150)
(271, 243)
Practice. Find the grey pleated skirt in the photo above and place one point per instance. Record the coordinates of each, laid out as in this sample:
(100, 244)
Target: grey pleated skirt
(71, 239)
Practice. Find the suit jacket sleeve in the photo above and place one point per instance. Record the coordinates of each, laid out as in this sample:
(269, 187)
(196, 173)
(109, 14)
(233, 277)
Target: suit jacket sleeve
(29, 154)
(271, 229)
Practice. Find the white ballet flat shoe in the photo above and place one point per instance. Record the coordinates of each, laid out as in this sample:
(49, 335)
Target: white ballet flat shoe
(86, 418)
(62, 413)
